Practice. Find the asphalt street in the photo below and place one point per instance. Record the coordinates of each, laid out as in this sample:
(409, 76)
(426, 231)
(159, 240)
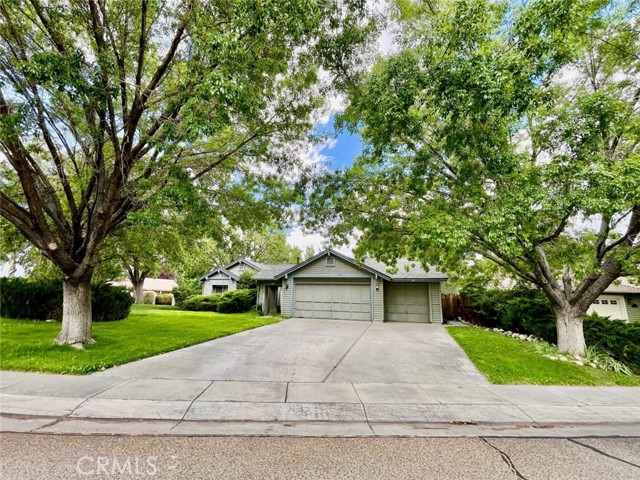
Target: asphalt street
(36, 456)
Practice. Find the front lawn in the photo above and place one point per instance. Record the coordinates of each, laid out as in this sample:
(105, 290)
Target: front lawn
(149, 330)
(505, 360)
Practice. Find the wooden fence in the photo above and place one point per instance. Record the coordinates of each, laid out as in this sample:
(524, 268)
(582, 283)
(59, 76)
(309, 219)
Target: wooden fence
(455, 307)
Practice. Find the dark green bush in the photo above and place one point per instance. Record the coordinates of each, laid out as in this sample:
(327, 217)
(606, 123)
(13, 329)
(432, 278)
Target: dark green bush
(109, 303)
(247, 282)
(233, 301)
(164, 299)
(237, 301)
(42, 300)
(520, 310)
(202, 303)
(32, 299)
(621, 340)
(185, 289)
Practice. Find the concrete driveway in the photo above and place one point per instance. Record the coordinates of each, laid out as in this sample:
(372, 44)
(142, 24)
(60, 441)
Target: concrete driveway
(318, 351)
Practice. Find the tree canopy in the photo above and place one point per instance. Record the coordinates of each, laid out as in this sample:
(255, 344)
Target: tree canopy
(105, 103)
(504, 130)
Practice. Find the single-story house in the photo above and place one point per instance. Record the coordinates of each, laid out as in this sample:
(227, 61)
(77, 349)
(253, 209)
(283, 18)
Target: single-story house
(158, 285)
(620, 302)
(331, 285)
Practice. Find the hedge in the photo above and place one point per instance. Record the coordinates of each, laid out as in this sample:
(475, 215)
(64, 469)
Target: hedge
(620, 339)
(149, 297)
(234, 301)
(42, 300)
(164, 299)
(186, 289)
(528, 311)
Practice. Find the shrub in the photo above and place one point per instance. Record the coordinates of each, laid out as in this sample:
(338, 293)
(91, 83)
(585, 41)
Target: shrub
(520, 310)
(202, 303)
(42, 300)
(186, 288)
(237, 301)
(109, 303)
(621, 340)
(32, 299)
(164, 299)
(247, 282)
(150, 298)
(234, 301)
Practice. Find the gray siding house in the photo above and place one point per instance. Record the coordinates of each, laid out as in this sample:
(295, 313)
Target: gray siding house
(225, 278)
(619, 302)
(331, 285)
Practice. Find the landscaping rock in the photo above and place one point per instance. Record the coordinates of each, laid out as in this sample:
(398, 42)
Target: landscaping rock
(579, 363)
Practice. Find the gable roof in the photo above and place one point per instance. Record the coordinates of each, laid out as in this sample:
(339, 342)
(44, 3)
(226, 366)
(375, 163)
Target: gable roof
(220, 270)
(406, 270)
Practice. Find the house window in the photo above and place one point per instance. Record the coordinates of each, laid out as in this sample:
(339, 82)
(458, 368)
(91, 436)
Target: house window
(331, 262)
(219, 288)
(613, 302)
(605, 302)
(241, 267)
(596, 302)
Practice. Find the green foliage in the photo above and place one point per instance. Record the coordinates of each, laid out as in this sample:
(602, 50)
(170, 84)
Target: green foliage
(202, 303)
(186, 288)
(42, 300)
(150, 297)
(247, 282)
(164, 299)
(148, 331)
(109, 303)
(522, 310)
(621, 340)
(495, 129)
(237, 301)
(35, 300)
(233, 301)
(505, 361)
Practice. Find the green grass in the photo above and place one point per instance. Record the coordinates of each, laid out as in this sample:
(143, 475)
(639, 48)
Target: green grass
(149, 330)
(504, 360)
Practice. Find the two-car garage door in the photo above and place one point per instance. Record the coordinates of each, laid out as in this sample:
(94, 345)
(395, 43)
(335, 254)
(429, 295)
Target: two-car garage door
(336, 301)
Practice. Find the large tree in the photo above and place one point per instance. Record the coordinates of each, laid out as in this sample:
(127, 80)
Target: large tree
(506, 130)
(103, 103)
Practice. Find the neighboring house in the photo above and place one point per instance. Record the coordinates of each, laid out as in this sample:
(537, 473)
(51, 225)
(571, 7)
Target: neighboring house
(620, 302)
(331, 285)
(157, 285)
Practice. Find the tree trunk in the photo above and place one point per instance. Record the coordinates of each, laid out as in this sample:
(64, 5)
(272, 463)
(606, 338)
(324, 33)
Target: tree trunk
(138, 289)
(76, 313)
(569, 321)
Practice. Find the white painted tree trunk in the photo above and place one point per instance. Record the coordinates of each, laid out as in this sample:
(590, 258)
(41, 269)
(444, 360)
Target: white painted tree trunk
(76, 314)
(570, 332)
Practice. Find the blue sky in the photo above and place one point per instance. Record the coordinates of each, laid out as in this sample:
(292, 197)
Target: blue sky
(346, 147)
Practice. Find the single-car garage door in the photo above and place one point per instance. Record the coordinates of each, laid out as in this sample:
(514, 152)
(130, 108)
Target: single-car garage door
(336, 301)
(610, 306)
(406, 302)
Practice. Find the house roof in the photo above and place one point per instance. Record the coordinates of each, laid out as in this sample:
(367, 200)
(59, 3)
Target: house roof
(405, 270)
(623, 289)
(268, 272)
(155, 284)
(223, 270)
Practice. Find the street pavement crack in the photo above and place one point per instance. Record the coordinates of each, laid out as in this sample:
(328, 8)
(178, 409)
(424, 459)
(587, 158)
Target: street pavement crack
(346, 353)
(506, 459)
(597, 450)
